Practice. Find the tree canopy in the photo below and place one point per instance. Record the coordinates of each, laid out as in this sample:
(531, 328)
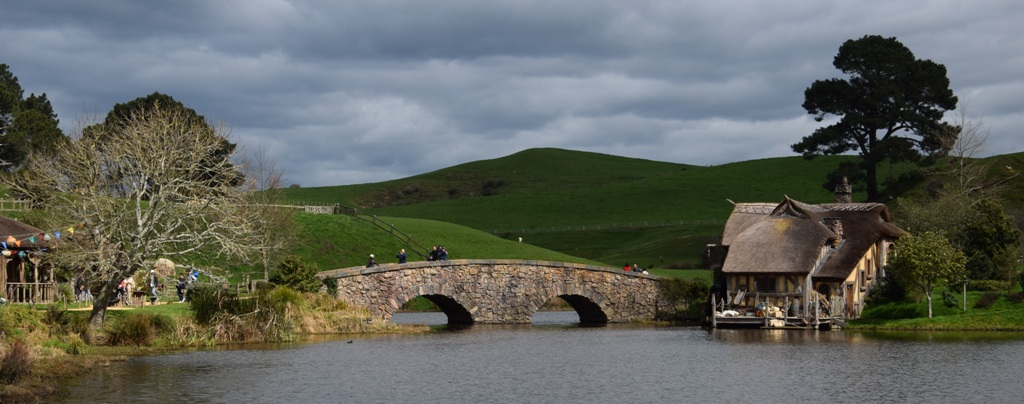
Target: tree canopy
(26, 125)
(926, 261)
(144, 108)
(144, 196)
(890, 107)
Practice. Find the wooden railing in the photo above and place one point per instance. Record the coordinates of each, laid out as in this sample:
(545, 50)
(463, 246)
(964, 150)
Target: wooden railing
(23, 292)
(13, 205)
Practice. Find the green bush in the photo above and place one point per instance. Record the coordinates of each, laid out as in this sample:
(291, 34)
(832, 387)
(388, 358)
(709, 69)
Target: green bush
(987, 285)
(72, 344)
(259, 317)
(299, 275)
(15, 319)
(206, 300)
(888, 289)
(282, 297)
(686, 295)
(986, 300)
(331, 284)
(57, 318)
(139, 328)
(949, 299)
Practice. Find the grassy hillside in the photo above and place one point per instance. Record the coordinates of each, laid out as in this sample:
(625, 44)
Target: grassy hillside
(339, 241)
(605, 208)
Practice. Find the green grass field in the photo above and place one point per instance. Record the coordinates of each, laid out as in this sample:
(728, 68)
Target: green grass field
(1003, 315)
(602, 208)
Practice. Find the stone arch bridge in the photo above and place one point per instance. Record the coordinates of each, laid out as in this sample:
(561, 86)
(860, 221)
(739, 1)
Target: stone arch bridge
(502, 291)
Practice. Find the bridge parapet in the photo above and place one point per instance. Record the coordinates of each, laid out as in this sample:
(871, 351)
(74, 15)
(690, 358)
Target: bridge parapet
(502, 291)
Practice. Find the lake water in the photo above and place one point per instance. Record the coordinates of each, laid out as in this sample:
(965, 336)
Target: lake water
(556, 361)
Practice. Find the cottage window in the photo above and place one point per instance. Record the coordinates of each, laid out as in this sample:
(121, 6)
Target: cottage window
(766, 284)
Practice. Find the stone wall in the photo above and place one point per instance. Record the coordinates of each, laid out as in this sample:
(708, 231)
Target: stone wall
(502, 291)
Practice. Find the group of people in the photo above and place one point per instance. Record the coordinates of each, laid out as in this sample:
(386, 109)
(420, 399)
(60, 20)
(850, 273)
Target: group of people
(125, 289)
(127, 286)
(633, 268)
(437, 253)
(185, 280)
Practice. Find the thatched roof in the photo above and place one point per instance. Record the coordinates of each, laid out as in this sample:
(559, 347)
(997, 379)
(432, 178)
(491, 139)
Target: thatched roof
(790, 236)
(21, 231)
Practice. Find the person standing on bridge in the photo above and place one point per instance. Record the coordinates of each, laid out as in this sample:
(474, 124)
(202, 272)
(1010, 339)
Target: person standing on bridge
(401, 256)
(371, 262)
(433, 256)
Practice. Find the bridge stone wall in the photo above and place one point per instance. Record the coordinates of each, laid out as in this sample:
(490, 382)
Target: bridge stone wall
(502, 291)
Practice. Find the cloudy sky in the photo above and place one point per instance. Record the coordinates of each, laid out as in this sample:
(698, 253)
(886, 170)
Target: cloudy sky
(342, 92)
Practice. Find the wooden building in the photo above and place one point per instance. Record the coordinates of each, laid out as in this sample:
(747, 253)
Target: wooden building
(807, 262)
(25, 278)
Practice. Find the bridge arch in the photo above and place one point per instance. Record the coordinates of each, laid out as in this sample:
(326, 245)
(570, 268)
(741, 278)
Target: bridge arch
(502, 291)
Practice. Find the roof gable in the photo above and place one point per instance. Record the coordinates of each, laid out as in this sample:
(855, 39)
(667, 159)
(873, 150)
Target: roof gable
(789, 237)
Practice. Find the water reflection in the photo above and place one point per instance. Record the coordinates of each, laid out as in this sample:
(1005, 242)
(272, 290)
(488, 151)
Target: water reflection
(541, 318)
(557, 361)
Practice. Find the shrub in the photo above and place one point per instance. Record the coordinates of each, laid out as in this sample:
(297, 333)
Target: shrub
(1015, 297)
(688, 295)
(986, 300)
(15, 362)
(949, 299)
(298, 275)
(260, 317)
(57, 318)
(987, 285)
(15, 319)
(65, 292)
(139, 328)
(283, 297)
(331, 284)
(888, 289)
(205, 300)
(71, 344)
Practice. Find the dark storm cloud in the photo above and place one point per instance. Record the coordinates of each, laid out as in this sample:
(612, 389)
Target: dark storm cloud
(344, 92)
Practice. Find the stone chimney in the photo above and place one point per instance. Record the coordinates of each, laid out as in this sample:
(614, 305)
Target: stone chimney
(844, 192)
(836, 226)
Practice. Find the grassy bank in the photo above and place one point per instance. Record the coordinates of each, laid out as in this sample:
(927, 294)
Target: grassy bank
(43, 346)
(986, 311)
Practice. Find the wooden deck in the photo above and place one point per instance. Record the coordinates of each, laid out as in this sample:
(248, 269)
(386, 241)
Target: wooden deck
(743, 321)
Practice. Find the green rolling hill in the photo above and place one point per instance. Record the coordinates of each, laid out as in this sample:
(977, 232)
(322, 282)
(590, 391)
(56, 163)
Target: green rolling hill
(603, 208)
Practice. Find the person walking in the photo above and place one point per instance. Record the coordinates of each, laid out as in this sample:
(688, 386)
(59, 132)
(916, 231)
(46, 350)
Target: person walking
(182, 284)
(371, 262)
(129, 288)
(154, 284)
(401, 256)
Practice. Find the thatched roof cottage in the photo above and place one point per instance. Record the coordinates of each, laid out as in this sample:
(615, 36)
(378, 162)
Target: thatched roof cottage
(793, 254)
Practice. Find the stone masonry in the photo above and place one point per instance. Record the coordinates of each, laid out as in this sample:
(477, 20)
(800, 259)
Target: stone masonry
(502, 291)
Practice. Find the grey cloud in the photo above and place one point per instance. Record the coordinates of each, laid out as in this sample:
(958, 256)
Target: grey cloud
(345, 92)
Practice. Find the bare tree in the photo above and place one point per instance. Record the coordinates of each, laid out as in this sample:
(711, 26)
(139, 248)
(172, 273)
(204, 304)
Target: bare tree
(273, 222)
(139, 191)
(968, 174)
